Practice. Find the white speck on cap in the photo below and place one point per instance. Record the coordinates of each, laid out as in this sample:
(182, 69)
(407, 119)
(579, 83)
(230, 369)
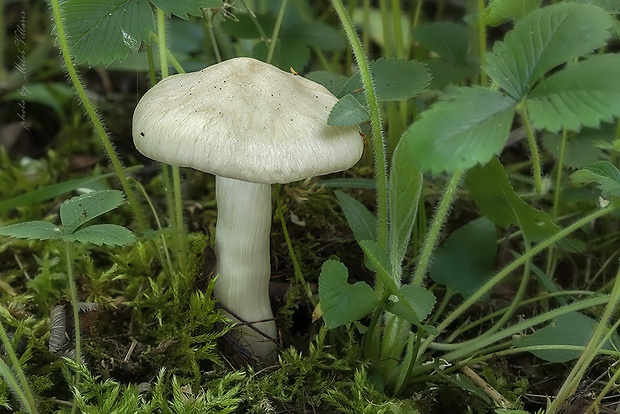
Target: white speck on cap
(247, 120)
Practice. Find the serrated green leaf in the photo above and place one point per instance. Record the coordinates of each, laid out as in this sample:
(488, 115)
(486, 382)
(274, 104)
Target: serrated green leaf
(418, 299)
(183, 8)
(582, 94)
(101, 31)
(448, 40)
(466, 260)
(490, 188)
(332, 81)
(341, 302)
(460, 133)
(81, 209)
(394, 80)
(404, 191)
(604, 174)
(32, 230)
(544, 39)
(347, 111)
(572, 328)
(362, 222)
(99, 234)
(500, 11)
(612, 6)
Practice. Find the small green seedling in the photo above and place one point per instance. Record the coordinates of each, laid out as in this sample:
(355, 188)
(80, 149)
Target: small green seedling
(74, 213)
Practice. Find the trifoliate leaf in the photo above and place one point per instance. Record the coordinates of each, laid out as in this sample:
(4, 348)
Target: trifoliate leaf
(347, 111)
(78, 210)
(101, 31)
(32, 230)
(604, 174)
(460, 133)
(582, 94)
(544, 39)
(99, 234)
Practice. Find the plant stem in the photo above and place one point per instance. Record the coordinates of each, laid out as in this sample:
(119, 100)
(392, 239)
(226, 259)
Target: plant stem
(291, 251)
(176, 212)
(75, 304)
(432, 236)
(576, 374)
(513, 266)
(556, 194)
(482, 42)
(92, 114)
(21, 389)
(531, 141)
(276, 31)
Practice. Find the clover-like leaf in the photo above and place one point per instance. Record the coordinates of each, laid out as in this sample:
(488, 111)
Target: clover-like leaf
(341, 302)
(78, 210)
(103, 234)
(582, 94)
(32, 230)
(347, 111)
(101, 31)
(604, 174)
(462, 132)
(544, 39)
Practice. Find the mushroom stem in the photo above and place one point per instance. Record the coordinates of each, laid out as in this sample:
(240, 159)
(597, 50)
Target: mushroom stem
(243, 268)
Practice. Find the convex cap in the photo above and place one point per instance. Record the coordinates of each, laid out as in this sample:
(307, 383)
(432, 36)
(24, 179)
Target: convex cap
(247, 120)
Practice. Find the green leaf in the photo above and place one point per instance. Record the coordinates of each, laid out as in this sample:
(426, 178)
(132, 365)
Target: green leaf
(612, 6)
(379, 262)
(245, 28)
(582, 94)
(183, 8)
(362, 222)
(108, 234)
(394, 80)
(572, 328)
(332, 81)
(52, 94)
(604, 174)
(78, 210)
(444, 72)
(466, 260)
(101, 31)
(32, 230)
(579, 151)
(460, 133)
(341, 302)
(448, 40)
(544, 39)
(418, 299)
(289, 53)
(404, 191)
(347, 111)
(490, 188)
(499, 11)
(316, 35)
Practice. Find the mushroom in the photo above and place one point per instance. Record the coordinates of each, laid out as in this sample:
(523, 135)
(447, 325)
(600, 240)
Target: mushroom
(251, 125)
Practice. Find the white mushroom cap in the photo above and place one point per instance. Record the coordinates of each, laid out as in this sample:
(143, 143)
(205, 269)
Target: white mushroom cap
(247, 120)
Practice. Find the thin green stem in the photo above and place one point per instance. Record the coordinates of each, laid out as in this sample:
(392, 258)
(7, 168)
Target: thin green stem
(276, 31)
(398, 29)
(531, 141)
(556, 195)
(301, 280)
(92, 114)
(482, 41)
(579, 369)
(75, 304)
(432, 236)
(176, 212)
(375, 122)
(512, 267)
(19, 386)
